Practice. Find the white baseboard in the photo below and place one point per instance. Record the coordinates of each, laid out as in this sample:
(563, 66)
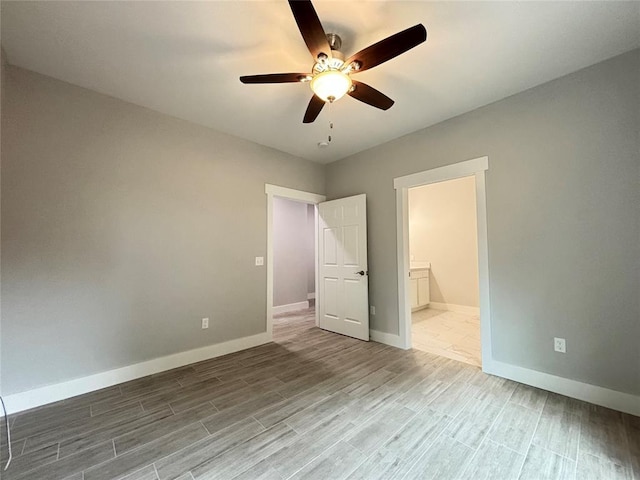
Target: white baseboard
(311, 296)
(386, 338)
(18, 402)
(452, 307)
(290, 307)
(623, 402)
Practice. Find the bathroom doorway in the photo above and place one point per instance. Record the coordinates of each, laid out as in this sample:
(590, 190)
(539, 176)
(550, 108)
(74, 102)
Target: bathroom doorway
(443, 270)
(476, 169)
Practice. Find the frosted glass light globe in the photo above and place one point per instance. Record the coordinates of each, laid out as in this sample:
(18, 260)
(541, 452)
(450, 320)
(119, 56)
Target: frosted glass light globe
(330, 85)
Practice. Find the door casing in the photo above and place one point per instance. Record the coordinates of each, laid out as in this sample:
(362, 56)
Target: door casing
(476, 167)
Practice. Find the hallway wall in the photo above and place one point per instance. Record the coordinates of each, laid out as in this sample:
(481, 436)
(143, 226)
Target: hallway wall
(292, 257)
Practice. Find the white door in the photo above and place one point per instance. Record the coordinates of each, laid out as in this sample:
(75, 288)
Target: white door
(343, 290)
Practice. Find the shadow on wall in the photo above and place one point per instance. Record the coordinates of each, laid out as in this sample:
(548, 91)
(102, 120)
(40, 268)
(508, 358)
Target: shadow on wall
(434, 288)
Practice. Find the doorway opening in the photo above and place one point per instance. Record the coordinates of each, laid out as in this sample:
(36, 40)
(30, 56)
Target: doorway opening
(475, 169)
(443, 269)
(292, 253)
(294, 259)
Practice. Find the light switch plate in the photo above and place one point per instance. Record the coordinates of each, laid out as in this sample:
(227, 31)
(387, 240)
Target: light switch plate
(259, 261)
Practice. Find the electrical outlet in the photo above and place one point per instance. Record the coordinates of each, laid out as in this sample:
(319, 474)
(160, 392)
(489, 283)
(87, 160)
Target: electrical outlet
(560, 345)
(372, 310)
(205, 323)
(259, 261)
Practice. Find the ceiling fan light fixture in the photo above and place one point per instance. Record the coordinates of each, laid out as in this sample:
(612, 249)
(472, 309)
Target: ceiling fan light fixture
(330, 77)
(331, 85)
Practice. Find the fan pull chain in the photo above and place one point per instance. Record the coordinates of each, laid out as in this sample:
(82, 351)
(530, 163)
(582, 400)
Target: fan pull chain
(330, 125)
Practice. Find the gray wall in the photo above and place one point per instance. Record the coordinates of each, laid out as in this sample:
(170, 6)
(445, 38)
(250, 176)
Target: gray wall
(291, 255)
(122, 228)
(563, 200)
(311, 249)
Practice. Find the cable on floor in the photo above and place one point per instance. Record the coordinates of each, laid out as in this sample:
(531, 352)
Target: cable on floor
(6, 422)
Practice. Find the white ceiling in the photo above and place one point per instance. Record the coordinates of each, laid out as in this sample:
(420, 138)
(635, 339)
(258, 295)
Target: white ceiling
(184, 59)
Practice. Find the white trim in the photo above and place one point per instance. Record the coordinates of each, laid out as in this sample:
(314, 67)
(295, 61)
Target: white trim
(60, 391)
(483, 268)
(402, 242)
(291, 194)
(452, 307)
(298, 196)
(477, 168)
(311, 296)
(386, 338)
(290, 307)
(440, 174)
(623, 402)
(316, 223)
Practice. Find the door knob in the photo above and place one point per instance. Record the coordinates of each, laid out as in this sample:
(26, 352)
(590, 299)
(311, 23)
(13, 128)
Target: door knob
(361, 273)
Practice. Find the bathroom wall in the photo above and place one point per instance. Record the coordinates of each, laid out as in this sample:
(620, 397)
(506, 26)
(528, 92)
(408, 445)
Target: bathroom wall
(443, 231)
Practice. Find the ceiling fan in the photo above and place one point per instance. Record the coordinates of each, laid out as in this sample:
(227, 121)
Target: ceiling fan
(330, 78)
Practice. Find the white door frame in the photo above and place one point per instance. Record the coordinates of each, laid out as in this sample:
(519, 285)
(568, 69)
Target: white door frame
(297, 196)
(476, 167)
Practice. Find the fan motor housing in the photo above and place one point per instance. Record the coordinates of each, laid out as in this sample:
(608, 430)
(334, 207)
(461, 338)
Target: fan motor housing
(337, 57)
(335, 42)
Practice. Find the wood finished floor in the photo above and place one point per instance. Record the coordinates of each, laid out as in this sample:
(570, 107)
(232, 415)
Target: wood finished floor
(314, 405)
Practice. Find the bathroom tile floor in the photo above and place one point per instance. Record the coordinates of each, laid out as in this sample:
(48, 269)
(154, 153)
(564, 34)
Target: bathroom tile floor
(448, 334)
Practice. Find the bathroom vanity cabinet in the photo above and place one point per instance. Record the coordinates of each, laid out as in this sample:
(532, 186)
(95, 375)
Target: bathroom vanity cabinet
(419, 284)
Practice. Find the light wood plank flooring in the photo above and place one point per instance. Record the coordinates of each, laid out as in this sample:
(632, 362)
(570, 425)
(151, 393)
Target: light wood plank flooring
(315, 405)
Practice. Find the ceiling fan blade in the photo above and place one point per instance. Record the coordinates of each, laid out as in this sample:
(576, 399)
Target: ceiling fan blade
(370, 96)
(275, 78)
(389, 48)
(310, 27)
(313, 110)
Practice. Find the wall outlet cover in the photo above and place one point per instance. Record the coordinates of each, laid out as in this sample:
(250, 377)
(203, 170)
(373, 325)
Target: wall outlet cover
(372, 310)
(205, 323)
(259, 261)
(560, 345)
